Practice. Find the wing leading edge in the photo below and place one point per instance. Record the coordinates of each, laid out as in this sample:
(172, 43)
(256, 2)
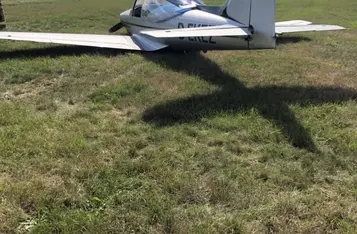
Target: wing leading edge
(135, 42)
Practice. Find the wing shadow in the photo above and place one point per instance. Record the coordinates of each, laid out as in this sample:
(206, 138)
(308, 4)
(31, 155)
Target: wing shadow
(58, 51)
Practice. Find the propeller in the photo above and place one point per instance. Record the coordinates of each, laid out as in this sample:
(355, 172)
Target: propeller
(116, 27)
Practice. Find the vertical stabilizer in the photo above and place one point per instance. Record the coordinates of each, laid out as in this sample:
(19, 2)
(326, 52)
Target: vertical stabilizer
(260, 16)
(239, 10)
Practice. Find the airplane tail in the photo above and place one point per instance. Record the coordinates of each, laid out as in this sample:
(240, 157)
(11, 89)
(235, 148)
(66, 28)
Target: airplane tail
(259, 15)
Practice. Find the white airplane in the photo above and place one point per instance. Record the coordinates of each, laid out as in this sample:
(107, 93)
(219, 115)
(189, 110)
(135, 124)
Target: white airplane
(186, 25)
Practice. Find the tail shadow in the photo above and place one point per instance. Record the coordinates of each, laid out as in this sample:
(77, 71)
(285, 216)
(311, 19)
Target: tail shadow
(281, 40)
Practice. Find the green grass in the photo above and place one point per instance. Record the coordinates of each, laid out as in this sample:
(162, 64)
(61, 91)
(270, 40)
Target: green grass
(103, 141)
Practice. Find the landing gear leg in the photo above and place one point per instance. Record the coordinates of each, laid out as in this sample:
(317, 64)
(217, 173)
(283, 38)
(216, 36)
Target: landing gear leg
(188, 52)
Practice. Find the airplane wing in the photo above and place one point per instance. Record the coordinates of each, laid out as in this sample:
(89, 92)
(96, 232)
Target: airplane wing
(305, 28)
(134, 42)
(215, 31)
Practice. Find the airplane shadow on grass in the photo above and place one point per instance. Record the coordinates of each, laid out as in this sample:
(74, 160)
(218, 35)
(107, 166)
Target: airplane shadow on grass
(271, 102)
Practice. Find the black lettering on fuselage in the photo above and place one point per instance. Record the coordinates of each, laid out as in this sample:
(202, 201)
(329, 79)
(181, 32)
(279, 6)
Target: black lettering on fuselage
(181, 25)
(191, 26)
(211, 41)
(206, 40)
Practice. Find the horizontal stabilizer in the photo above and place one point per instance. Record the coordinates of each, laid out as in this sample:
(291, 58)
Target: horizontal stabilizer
(306, 28)
(293, 23)
(93, 40)
(214, 31)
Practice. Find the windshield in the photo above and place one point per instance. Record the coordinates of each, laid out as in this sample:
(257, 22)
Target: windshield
(160, 10)
(185, 2)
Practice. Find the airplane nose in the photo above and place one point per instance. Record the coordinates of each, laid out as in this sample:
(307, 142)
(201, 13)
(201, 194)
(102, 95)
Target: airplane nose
(125, 15)
(123, 19)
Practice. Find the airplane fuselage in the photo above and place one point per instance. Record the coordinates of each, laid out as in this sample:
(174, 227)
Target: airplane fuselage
(189, 19)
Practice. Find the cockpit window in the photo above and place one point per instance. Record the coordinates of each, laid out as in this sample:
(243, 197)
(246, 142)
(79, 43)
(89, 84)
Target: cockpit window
(159, 10)
(185, 2)
(156, 10)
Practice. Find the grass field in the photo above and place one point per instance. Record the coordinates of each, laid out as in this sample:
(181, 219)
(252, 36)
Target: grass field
(102, 141)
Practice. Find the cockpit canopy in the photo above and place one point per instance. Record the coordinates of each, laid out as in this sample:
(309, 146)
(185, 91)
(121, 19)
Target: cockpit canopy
(160, 10)
(185, 2)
